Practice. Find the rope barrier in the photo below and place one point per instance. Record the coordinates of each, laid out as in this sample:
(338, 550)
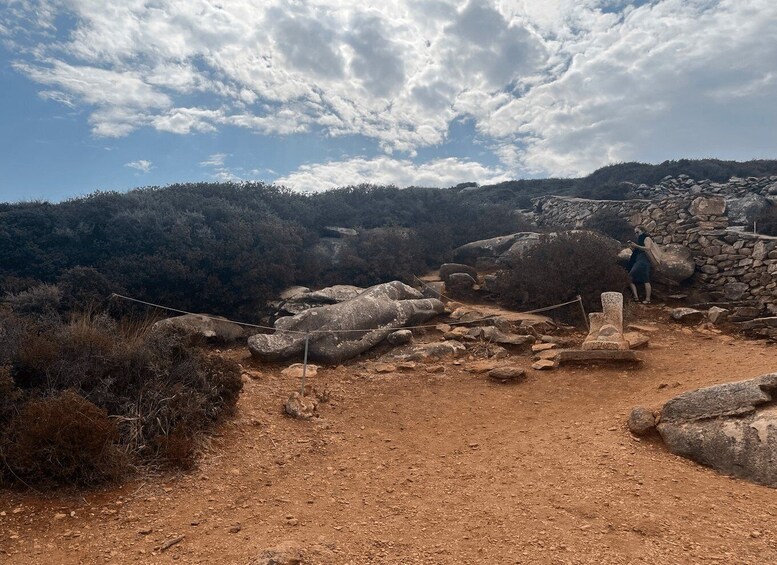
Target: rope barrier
(309, 332)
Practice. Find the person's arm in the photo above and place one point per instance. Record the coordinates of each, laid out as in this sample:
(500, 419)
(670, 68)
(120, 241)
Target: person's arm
(642, 247)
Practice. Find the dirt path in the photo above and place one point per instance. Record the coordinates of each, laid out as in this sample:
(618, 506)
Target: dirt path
(435, 468)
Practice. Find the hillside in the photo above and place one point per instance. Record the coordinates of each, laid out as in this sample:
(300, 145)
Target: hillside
(545, 471)
(229, 248)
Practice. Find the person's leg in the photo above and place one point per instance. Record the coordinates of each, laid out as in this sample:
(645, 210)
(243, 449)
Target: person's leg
(634, 291)
(648, 292)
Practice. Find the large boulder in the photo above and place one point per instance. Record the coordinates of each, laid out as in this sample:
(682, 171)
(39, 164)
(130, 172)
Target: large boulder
(676, 264)
(448, 269)
(708, 206)
(741, 210)
(485, 252)
(730, 427)
(340, 331)
(210, 328)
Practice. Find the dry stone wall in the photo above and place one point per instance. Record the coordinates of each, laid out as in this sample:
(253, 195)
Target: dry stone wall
(732, 265)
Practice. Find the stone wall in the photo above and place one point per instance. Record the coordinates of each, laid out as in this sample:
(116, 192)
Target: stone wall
(732, 264)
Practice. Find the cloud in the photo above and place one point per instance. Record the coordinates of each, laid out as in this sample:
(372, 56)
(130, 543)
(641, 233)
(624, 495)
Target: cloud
(555, 87)
(142, 165)
(388, 171)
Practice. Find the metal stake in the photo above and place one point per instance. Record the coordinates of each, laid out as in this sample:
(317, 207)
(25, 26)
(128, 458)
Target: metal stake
(585, 316)
(305, 363)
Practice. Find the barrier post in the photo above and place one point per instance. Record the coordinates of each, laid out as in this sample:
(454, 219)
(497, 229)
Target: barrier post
(585, 316)
(305, 363)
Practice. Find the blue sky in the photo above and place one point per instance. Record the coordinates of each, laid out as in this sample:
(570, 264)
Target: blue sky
(312, 94)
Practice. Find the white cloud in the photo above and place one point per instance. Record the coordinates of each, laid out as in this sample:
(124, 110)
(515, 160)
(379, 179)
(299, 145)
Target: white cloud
(142, 165)
(388, 171)
(214, 160)
(553, 86)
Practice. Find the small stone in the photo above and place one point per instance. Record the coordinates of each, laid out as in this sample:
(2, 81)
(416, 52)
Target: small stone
(435, 369)
(544, 365)
(506, 374)
(641, 421)
(295, 371)
(687, 315)
(542, 347)
(400, 337)
(384, 368)
(60, 516)
(145, 531)
(235, 529)
(636, 340)
(301, 407)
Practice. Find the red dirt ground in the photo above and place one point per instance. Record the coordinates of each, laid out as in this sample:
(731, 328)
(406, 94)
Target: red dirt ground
(434, 468)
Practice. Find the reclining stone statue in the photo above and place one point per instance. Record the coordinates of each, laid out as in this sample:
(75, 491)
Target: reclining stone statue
(338, 332)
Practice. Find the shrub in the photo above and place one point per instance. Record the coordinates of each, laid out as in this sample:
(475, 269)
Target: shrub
(560, 268)
(62, 439)
(766, 221)
(609, 223)
(160, 394)
(40, 299)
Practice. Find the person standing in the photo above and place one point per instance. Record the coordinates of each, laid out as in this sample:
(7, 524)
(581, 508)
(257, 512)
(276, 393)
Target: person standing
(640, 265)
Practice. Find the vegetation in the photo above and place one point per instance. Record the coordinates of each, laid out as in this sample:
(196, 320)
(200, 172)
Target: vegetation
(560, 268)
(766, 222)
(609, 223)
(86, 400)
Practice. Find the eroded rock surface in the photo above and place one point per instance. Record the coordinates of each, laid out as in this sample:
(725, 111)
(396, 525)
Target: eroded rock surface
(208, 327)
(340, 331)
(730, 427)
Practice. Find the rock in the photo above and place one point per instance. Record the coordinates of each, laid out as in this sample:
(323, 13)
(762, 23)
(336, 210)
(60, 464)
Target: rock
(211, 328)
(641, 421)
(741, 210)
(285, 553)
(636, 340)
(434, 351)
(384, 368)
(544, 365)
(435, 369)
(542, 347)
(734, 291)
(489, 249)
(295, 371)
(687, 315)
(335, 231)
(301, 407)
(481, 366)
(506, 374)
(459, 283)
(433, 289)
(293, 291)
(717, 315)
(494, 335)
(708, 206)
(372, 316)
(729, 427)
(676, 264)
(400, 337)
(300, 302)
(448, 269)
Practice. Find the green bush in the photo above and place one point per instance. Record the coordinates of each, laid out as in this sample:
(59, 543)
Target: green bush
(560, 268)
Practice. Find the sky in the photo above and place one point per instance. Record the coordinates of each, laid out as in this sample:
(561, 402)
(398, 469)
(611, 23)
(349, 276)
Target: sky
(315, 94)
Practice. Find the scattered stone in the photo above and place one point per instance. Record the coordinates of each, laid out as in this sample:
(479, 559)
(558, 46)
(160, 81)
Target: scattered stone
(544, 365)
(507, 374)
(384, 368)
(734, 291)
(448, 269)
(60, 516)
(171, 542)
(435, 369)
(301, 407)
(547, 354)
(285, 553)
(400, 337)
(636, 340)
(209, 328)
(642, 328)
(543, 347)
(641, 421)
(295, 371)
(145, 531)
(406, 366)
(717, 314)
(687, 315)
(235, 529)
(434, 351)
(481, 366)
(460, 283)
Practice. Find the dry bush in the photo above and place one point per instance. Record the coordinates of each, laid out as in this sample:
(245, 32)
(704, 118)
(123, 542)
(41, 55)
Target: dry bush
(610, 224)
(560, 268)
(40, 299)
(161, 394)
(61, 439)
